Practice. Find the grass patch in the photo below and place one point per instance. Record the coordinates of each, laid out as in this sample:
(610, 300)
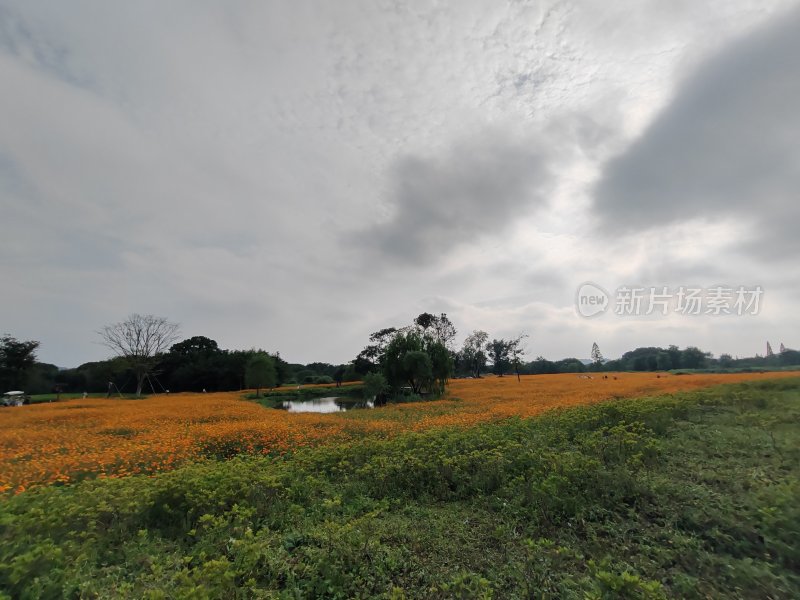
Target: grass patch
(773, 369)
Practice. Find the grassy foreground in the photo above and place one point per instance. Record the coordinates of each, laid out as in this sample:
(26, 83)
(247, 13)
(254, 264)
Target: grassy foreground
(689, 495)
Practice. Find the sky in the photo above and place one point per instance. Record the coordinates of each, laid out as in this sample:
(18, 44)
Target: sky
(294, 175)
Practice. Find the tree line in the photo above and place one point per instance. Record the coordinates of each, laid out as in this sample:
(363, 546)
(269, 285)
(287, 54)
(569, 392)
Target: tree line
(415, 359)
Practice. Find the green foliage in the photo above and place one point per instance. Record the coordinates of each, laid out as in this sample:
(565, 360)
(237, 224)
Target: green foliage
(375, 386)
(691, 495)
(472, 358)
(17, 359)
(498, 353)
(420, 362)
(612, 585)
(417, 369)
(597, 356)
(260, 372)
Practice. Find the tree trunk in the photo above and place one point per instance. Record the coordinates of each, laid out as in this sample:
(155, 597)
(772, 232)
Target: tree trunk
(139, 384)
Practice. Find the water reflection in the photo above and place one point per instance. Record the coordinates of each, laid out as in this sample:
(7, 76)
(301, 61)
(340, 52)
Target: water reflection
(328, 404)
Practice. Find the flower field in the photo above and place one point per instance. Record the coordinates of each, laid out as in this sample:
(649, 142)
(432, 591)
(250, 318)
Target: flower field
(67, 441)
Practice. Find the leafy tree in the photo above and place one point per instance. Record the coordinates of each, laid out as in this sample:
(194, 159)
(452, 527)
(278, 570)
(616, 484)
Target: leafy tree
(282, 371)
(369, 358)
(570, 365)
(641, 359)
(350, 373)
(498, 352)
(663, 361)
(193, 364)
(725, 361)
(260, 372)
(542, 366)
(693, 358)
(440, 328)
(393, 361)
(419, 361)
(418, 370)
(441, 365)
(198, 344)
(789, 357)
(674, 356)
(17, 358)
(472, 355)
(338, 375)
(597, 356)
(139, 339)
(375, 386)
(304, 376)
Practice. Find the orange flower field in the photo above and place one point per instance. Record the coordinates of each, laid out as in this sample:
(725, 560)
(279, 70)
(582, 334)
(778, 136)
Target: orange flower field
(67, 441)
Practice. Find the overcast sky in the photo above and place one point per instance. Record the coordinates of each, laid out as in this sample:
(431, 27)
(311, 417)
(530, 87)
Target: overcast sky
(294, 175)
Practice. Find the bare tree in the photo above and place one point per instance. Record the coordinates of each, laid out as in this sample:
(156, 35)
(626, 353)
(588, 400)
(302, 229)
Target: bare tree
(138, 339)
(516, 352)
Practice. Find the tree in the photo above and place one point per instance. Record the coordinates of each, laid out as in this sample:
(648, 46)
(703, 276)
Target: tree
(418, 370)
(260, 372)
(368, 360)
(139, 339)
(597, 356)
(195, 345)
(693, 358)
(375, 386)
(789, 357)
(472, 354)
(570, 365)
(542, 366)
(441, 365)
(393, 361)
(725, 361)
(16, 360)
(516, 351)
(440, 328)
(421, 362)
(338, 375)
(663, 361)
(674, 356)
(498, 351)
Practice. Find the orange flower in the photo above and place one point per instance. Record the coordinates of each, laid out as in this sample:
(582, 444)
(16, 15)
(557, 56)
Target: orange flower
(67, 441)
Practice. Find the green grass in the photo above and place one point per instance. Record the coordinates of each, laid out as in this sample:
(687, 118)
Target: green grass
(38, 398)
(686, 496)
(764, 369)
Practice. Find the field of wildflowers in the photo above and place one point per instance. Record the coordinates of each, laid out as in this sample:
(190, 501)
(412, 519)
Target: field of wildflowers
(59, 443)
(672, 495)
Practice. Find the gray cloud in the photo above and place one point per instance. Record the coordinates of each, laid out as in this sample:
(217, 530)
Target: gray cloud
(726, 147)
(205, 163)
(475, 190)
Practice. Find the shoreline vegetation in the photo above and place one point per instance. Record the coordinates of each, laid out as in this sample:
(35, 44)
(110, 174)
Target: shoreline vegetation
(664, 494)
(276, 398)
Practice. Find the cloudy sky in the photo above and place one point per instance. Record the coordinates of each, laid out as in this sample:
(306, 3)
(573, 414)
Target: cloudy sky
(294, 175)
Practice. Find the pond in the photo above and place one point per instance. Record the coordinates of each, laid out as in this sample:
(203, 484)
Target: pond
(329, 404)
